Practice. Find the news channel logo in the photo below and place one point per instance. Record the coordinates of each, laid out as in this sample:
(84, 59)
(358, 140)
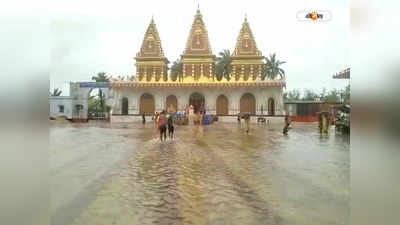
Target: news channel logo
(314, 15)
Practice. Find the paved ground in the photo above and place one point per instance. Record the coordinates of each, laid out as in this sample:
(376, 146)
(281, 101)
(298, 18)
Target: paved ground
(121, 174)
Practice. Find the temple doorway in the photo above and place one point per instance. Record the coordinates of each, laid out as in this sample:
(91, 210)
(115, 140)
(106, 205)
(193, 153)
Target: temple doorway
(198, 101)
(222, 105)
(125, 106)
(171, 104)
(271, 107)
(147, 105)
(248, 104)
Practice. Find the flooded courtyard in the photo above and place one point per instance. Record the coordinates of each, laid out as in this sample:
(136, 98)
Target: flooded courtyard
(104, 174)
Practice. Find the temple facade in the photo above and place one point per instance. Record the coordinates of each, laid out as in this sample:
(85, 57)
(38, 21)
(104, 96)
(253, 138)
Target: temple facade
(196, 84)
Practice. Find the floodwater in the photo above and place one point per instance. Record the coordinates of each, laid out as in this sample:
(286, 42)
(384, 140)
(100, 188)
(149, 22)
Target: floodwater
(106, 174)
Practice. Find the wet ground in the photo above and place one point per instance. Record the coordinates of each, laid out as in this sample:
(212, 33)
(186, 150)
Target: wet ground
(106, 174)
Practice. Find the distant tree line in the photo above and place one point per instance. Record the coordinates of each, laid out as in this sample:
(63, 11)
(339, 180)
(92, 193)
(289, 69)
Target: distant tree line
(334, 95)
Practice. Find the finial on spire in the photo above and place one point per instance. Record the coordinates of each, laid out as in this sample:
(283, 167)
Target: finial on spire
(245, 17)
(198, 8)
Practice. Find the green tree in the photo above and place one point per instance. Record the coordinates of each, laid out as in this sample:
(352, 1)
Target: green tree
(93, 104)
(272, 68)
(101, 77)
(333, 96)
(176, 70)
(292, 95)
(310, 95)
(223, 66)
(56, 92)
(323, 94)
(345, 95)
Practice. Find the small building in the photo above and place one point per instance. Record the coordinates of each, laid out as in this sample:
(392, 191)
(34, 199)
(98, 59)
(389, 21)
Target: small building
(75, 106)
(306, 111)
(60, 106)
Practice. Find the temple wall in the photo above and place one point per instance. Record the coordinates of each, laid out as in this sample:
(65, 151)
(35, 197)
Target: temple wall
(210, 95)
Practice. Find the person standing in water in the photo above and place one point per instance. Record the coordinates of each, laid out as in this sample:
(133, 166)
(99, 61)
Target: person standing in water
(247, 122)
(162, 121)
(287, 124)
(143, 118)
(171, 126)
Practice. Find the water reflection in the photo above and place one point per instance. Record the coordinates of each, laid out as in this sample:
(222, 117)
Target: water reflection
(207, 175)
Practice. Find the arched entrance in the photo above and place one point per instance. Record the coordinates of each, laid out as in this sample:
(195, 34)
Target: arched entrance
(197, 100)
(125, 106)
(271, 107)
(171, 104)
(248, 104)
(147, 104)
(222, 105)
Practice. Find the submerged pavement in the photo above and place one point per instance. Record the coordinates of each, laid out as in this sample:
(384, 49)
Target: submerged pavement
(122, 174)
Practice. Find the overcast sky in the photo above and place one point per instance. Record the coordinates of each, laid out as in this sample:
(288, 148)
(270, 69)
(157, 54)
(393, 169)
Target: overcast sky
(91, 36)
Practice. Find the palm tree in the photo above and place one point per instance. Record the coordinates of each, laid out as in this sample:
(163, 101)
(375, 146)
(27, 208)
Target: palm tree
(272, 69)
(176, 70)
(223, 67)
(56, 92)
(101, 77)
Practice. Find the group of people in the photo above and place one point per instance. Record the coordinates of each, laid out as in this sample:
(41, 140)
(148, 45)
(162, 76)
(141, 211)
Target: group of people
(195, 118)
(164, 121)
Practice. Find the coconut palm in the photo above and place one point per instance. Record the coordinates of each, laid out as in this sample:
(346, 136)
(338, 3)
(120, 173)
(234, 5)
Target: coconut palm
(101, 77)
(272, 69)
(176, 70)
(56, 92)
(223, 67)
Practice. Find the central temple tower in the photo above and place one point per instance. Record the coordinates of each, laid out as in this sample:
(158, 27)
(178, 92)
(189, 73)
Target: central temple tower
(198, 62)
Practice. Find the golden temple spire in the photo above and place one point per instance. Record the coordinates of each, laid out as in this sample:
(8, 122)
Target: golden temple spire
(151, 45)
(246, 44)
(198, 42)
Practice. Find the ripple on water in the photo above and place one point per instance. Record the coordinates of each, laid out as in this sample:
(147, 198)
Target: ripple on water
(213, 175)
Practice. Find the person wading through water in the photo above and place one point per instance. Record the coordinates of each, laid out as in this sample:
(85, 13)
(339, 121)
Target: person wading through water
(162, 122)
(143, 118)
(287, 124)
(171, 126)
(246, 118)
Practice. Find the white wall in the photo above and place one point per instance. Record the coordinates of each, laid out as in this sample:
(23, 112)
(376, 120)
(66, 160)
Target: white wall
(210, 94)
(55, 101)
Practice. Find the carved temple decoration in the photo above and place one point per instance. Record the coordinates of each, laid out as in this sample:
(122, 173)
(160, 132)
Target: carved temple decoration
(197, 59)
(247, 60)
(151, 64)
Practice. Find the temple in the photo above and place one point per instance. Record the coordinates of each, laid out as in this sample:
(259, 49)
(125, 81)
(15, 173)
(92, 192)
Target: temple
(196, 84)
